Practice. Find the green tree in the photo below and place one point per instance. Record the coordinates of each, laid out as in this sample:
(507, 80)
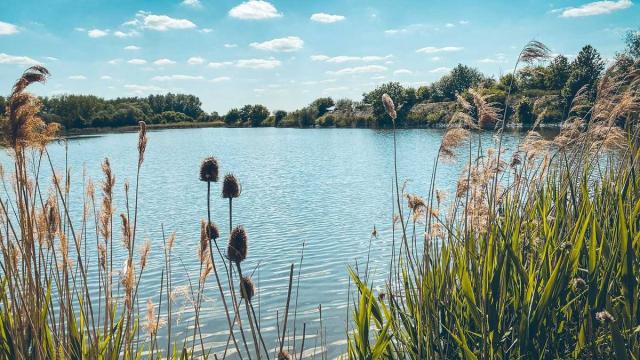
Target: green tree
(321, 105)
(524, 112)
(424, 93)
(232, 117)
(632, 42)
(278, 116)
(460, 78)
(557, 73)
(585, 73)
(399, 96)
(258, 114)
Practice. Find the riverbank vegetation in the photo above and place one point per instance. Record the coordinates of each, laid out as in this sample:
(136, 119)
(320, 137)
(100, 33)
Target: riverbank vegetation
(541, 92)
(537, 253)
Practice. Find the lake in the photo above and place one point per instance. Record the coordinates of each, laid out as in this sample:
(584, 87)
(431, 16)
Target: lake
(324, 188)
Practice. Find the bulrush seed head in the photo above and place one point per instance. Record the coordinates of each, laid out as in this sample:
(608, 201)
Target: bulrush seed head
(284, 355)
(231, 187)
(389, 106)
(209, 170)
(247, 288)
(238, 245)
(212, 231)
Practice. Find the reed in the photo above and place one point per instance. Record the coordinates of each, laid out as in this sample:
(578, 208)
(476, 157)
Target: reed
(536, 256)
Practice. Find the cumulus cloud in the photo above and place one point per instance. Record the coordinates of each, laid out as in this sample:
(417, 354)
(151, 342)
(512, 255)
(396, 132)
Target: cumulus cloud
(132, 47)
(77, 77)
(150, 21)
(195, 60)
(51, 58)
(402, 72)
(105, 77)
(258, 63)
(449, 25)
(410, 29)
(97, 33)
(122, 34)
(326, 18)
(498, 59)
(595, 8)
(17, 60)
(436, 50)
(254, 10)
(115, 61)
(137, 61)
(228, 46)
(344, 58)
(286, 44)
(359, 70)
(140, 89)
(218, 65)
(176, 78)
(440, 70)
(220, 79)
(192, 3)
(8, 29)
(164, 62)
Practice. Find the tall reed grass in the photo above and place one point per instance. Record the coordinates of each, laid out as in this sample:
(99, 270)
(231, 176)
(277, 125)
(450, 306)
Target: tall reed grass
(52, 306)
(536, 255)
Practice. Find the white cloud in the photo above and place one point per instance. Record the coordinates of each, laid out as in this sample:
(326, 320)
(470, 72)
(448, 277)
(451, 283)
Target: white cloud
(8, 29)
(449, 25)
(164, 62)
(220, 79)
(359, 70)
(77, 77)
(436, 58)
(192, 3)
(132, 47)
(410, 29)
(498, 59)
(195, 60)
(228, 46)
(206, 30)
(51, 58)
(326, 18)
(440, 70)
(596, 8)
(122, 34)
(159, 22)
(258, 63)
(17, 60)
(464, 22)
(137, 61)
(335, 89)
(254, 10)
(286, 44)
(342, 58)
(105, 77)
(139, 89)
(218, 65)
(97, 33)
(115, 61)
(435, 50)
(402, 72)
(176, 78)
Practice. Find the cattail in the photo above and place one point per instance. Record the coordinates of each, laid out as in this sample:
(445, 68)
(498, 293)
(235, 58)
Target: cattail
(209, 170)
(605, 317)
(231, 187)
(389, 106)
(284, 355)
(144, 253)
(247, 288)
(142, 141)
(238, 245)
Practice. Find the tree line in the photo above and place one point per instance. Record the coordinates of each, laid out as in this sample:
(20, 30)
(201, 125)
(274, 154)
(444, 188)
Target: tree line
(539, 92)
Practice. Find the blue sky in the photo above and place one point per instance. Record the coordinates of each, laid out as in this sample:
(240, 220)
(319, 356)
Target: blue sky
(281, 53)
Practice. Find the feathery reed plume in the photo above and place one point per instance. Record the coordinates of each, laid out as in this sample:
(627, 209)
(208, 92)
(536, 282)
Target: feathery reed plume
(487, 112)
(102, 256)
(152, 324)
(231, 187)
(415, 202)
(170, 241)
(452, 139)
(209, 170)
(534, 50)
(144, 253)
(203, 251)
(238, 245)
(126, 231)
(142, 141)
(128, 281)
(284, 355)
(247, 288)
(22, 126)
(389, 106)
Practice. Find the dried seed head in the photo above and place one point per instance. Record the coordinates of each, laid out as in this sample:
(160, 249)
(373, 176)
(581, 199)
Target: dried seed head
(238, 245)
(284, 355)
(389, 106)
(144, 253)
(171, 240)
(212, 231)
(142, 141)
(231, 187)
(578, 285)
(204, 242)
(605, 317)
(126, 231)
(415, 202)
(209, 170)
(247, 288)
(534, 50)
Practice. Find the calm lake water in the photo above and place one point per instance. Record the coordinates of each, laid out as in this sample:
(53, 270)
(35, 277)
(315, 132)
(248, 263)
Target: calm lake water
(325, 188)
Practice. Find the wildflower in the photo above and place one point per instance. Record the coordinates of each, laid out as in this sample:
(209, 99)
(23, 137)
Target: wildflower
(247, 288)
(389, 107)
(605, 317)
(238, 245)
(209, 170)
(231, 187)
